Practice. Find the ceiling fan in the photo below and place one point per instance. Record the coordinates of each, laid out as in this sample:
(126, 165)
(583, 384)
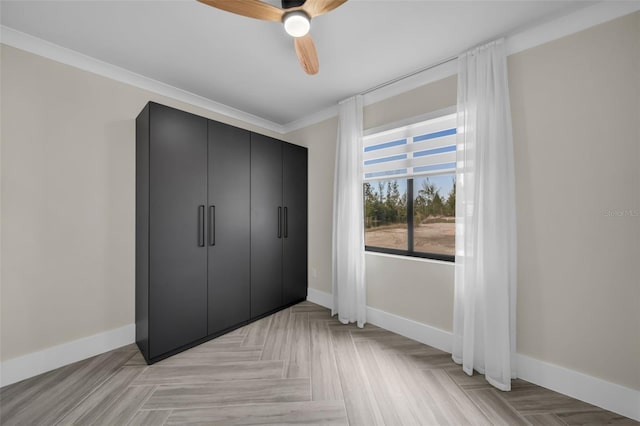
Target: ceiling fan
(296, 16)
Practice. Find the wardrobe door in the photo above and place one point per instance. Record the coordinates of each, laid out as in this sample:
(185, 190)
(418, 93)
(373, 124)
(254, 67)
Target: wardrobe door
(266, 224)
(229, 226)
(177, 251)
(294, 269)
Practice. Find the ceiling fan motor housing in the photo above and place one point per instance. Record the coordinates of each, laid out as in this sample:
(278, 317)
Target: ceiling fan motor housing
(288, 4)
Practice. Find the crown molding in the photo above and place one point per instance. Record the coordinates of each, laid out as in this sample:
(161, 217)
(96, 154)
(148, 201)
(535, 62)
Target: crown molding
(566, 25)
(40, 47)
(536, 35)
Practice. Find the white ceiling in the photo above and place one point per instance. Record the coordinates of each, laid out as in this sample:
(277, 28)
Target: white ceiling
(251, 65)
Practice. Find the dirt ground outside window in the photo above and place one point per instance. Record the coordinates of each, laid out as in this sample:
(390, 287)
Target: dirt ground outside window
(428, 237)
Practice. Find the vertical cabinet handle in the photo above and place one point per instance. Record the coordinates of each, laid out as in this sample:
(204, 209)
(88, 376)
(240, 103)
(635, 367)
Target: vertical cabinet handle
(212, 225)
(201, 226)
(279, 222)
(286, 223)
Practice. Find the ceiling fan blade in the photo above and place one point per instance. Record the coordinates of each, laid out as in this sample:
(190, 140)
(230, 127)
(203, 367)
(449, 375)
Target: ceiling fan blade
(318, 7)
(251, 8)
(306, 51)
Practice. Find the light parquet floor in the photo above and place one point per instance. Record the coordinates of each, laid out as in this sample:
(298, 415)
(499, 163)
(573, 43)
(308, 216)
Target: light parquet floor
(298, 366)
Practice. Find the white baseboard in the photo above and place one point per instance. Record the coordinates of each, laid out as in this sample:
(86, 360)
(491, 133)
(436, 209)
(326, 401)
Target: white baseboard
(26, 366)
(415, 330)
(320, 298)
(607, 395)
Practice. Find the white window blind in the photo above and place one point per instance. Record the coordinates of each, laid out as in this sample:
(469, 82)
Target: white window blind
(425, 148)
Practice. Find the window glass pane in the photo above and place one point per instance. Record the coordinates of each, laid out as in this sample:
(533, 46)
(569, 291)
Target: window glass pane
(385, 145)
(441, 133)
(385, 211)
(385, 173)
(386, 159)
(434, 211)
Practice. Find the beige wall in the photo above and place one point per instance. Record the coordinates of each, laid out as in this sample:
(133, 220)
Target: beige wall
(320, 140)
(576, 121)
(576, 116)
(68, 192)
(431, 97)
(421, 290)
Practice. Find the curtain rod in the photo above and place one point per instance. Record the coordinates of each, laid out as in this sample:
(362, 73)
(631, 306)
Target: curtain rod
(411, 74)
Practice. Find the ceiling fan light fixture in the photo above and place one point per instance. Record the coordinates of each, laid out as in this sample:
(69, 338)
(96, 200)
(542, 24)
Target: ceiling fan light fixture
(297, 23)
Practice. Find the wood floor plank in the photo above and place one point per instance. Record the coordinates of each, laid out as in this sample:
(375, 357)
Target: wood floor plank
(227, 393)
(462, 379)
(298, 358)
(337, 326)
(536, 400)
(208, 357)
(56, 400)
(594, 417)
(325, 383)
(495, 408)
(422, 404)
(452, 402)
(403, 346)
(314, 412)
(257, 332)
(359, 400)
(387, 391)
(136, 359)
(124, 408)
(477, 381)
(150, 418)
(320, 315)
(371, 333)
(16, 398)
(241, 331)
(224, 371)
(307, 307)
(278, 339)
(428, 362)
(220, 343)
(546, 419)
(96, 404)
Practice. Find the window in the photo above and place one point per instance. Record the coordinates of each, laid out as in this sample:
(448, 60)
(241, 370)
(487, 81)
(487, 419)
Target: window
(409, 189)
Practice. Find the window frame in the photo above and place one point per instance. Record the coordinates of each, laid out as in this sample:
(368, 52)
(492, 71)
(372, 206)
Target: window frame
(409, 180)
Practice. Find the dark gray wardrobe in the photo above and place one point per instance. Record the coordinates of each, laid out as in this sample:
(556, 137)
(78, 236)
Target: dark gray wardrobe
(279, 223)
(221, 228)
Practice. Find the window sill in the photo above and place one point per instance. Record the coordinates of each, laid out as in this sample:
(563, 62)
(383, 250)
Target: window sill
(410, 258)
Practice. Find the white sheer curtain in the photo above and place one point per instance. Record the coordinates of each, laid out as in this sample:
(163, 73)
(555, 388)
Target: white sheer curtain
(485, 271)
(349, 291)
